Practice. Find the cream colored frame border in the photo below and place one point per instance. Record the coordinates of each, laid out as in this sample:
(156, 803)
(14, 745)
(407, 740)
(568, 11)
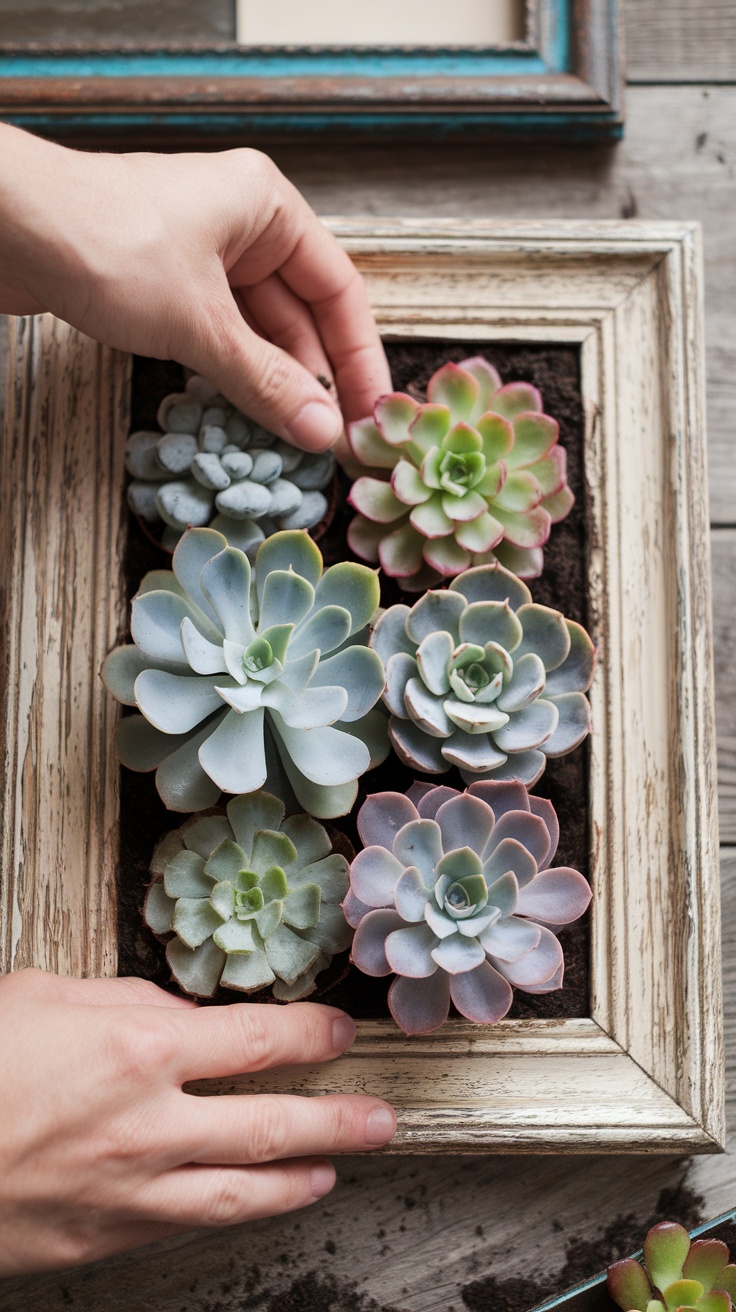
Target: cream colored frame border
(645, 1072)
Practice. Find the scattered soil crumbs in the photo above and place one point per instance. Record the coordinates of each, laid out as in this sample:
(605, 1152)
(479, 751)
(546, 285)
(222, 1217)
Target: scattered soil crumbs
(587, 1258)
(144, 819)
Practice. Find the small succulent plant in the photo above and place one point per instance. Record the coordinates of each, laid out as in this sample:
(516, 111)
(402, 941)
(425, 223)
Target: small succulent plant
(480, 677)
(455, 894)
(247, 675)
(475, 474)
(679, 1275)
(212, 465)
(249, 899)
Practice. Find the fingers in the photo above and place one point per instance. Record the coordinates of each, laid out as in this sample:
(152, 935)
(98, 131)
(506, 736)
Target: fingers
(124, 991)
(218, 1041)
(246, 1130)
(194, 1196)
(264, 381)
(113, 992)
(290, 240)
(286, 322)
(321, 273)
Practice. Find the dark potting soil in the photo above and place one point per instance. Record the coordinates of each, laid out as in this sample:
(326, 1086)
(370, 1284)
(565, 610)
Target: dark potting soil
(144, 819)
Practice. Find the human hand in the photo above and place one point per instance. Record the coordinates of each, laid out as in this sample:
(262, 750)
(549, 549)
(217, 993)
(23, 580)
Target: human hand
(102, 1151)
(213, 260)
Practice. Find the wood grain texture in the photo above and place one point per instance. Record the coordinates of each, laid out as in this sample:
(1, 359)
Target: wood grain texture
(645, 1072)
(63, 605)
(681, 40)
(724, 619)
(120, 21)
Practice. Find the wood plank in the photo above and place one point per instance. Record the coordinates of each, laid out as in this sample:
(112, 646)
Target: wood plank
(414, 1235)
(723, 554)
(680, 40)
(117, 21)
(63, 601)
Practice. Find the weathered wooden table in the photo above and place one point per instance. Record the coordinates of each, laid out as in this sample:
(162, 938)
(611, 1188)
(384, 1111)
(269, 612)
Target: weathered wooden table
(439, 1234)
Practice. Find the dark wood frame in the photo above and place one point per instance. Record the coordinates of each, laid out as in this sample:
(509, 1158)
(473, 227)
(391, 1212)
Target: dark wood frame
(564, 78)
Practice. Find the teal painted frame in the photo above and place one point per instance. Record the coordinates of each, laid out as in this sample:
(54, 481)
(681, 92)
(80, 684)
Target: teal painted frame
(588, 1297)
(564, 78)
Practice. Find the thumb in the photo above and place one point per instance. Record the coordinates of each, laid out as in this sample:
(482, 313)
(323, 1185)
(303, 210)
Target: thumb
(267, 383)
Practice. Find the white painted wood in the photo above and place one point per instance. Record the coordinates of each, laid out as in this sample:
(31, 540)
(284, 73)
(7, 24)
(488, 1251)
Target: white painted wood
(60, 542)
(645, 1071)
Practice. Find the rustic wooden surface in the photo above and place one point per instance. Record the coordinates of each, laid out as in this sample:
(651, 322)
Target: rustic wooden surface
(60, 538)
(429, 1235)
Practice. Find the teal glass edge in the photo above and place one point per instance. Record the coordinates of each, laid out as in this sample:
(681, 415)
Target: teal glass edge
(597, 1281)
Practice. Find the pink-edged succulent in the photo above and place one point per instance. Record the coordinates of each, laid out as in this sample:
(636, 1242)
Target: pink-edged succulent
(473, 475)
(679, 1276)
(455, 893)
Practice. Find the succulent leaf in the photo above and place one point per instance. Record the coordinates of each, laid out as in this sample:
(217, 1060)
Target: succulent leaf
(665, 1250)
(474, 470)
(466, 678)
(433, 898)
(628, 1285)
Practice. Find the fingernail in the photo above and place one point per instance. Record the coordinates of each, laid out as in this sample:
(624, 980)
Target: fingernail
(316, 426)
(343, 1033)
(380, 1126)
(323, 1178)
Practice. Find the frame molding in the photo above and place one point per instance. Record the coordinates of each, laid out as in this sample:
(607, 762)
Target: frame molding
(645, 1071)
(565, 78)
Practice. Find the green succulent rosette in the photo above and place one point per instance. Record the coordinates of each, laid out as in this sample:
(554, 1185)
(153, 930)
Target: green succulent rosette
(473, 475)
(245, 677)
(680, 1275)
(249, 899)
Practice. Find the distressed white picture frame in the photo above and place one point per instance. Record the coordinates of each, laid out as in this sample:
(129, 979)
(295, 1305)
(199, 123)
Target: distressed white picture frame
(642, 1072)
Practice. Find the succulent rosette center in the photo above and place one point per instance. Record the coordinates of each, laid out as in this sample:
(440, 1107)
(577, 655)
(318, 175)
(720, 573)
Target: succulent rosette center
(455, 893)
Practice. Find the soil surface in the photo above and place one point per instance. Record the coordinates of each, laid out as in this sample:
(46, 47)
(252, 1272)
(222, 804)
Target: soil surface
(144, 819)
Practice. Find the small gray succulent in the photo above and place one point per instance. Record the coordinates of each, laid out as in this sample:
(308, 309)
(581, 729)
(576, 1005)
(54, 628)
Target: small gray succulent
(211, 465)
(481, 677)
(249, 899)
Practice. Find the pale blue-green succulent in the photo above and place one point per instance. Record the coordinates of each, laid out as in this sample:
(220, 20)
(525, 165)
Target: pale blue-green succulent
(211, 465)
(249, 899)
(481, 677)
(252, 676)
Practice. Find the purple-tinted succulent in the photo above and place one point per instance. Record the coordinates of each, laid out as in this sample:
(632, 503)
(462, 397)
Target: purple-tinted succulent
(473, 475)
(455, 893)
(680, 1276)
